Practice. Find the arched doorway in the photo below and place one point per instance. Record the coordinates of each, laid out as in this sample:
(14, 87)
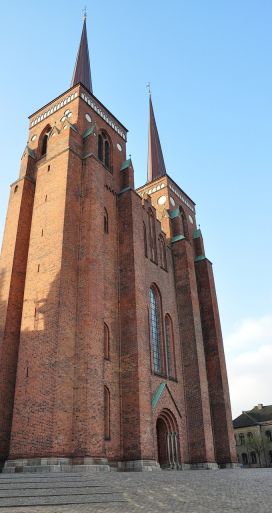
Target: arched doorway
(168, 440)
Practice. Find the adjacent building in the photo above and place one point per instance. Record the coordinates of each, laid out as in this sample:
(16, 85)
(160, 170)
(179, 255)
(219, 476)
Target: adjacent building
(111, 352)
(253, 435)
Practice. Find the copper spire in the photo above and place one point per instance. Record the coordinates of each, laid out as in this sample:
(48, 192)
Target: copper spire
(82, 70)
(155, 165)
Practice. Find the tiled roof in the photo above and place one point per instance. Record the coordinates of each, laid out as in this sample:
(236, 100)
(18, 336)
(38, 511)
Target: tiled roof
(253, 417)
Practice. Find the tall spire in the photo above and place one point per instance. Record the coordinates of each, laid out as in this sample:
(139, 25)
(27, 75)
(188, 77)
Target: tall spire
(155, 165)
(82, 70)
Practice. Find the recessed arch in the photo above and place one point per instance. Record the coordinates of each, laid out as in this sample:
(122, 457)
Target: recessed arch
(168, 443)
(43, 141)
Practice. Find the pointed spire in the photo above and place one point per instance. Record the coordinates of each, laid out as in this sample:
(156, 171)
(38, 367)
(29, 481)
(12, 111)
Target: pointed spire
(82, 70)
(155, 166)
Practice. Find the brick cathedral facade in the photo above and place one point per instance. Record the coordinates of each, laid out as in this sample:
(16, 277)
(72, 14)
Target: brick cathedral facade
(111, 352)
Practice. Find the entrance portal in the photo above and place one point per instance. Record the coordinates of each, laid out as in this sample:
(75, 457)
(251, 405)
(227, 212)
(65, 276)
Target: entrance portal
(168, 441)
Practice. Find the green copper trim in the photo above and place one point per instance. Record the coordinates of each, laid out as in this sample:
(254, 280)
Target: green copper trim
(89, 131)
(199, 258)
(174, 213)
(125, 165)
(157, 394)
(125, 190)
(177, 237)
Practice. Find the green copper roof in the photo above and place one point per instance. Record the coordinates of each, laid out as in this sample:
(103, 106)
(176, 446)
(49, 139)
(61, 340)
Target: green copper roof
(177, 237)
(125, 165)
(88, 131)
(199, 258)
(174, 213)
(157, 394)
(197, 234)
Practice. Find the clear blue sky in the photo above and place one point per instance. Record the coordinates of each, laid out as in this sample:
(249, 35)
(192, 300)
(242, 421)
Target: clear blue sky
(209, 64)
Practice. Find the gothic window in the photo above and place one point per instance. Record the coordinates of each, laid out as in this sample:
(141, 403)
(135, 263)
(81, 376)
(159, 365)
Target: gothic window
(152, 236)
(106, 342)
(106, 413)
(145, 240)
(244, 458)
(170, 349)
(162, 248)
(253, 457)
(104, 150)
(155, 330)
(106, 221)
(184, 222)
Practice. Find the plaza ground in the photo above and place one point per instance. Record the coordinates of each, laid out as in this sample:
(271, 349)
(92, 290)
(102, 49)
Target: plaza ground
(217, 491)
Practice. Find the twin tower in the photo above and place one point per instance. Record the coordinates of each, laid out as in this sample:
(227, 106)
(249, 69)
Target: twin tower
(111, 353)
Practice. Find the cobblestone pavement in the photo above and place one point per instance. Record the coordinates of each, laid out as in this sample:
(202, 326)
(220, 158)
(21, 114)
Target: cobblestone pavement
(206, 491)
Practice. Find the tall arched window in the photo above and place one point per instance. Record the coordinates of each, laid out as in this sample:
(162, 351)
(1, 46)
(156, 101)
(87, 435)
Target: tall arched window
(152, 236)
(170, 347)
(184, 222)
(156, 331)
(104, 150)
(106, 342)
(162, 247)
(106, 221)
(145, 240)
(106, 413)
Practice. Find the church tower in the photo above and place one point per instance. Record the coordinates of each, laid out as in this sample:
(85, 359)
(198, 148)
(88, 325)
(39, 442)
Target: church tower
(111, 354)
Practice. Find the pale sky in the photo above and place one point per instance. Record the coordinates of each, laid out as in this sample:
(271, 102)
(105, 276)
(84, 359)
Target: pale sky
(209, 64)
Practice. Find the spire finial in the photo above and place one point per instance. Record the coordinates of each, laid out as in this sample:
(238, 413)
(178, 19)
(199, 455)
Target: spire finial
(148, 86)
(82, 70)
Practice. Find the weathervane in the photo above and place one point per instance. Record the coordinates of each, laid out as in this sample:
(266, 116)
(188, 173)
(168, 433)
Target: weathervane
(84, 12)
(148, 85)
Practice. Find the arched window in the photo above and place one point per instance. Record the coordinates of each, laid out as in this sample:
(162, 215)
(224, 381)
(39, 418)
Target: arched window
(152, 236)
(104, 150)
(106, 342)
(106, 221)
(244, 458)
(44, 145)
(184, 222)
(170, 348)
(162, 247)
(106, 413)
(145, 240)
(253, 457)
(156, 331)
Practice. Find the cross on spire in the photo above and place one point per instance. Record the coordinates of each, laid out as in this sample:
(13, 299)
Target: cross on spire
(82, 70)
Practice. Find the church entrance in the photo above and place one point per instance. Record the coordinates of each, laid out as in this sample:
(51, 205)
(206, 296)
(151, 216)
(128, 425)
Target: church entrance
(168, 441)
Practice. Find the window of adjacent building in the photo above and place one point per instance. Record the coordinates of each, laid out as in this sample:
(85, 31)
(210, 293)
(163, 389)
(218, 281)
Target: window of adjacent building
(268, 434)
(106, 342)
(104, 150)
(170, 348)
(155, 330)
(106, 413)
(145, 240)
(242, 438)
(106, 221)
(249, 435)
(162, 247)
(152, 236)
(244, 458)
(253, 457)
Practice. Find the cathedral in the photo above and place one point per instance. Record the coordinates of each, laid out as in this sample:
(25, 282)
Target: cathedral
(111, 351)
